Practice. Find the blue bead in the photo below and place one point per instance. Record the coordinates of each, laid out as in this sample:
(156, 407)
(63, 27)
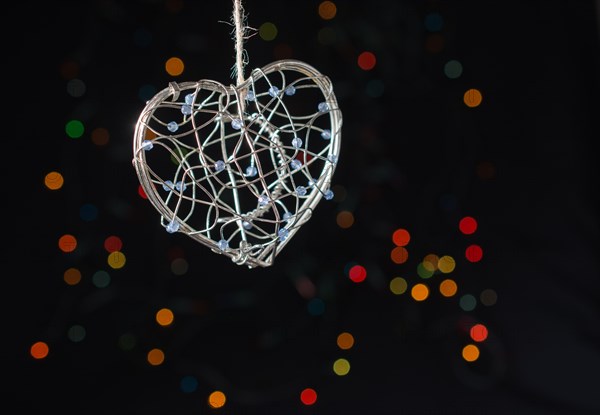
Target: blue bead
(186, 109)
(323, 107)
(263, 200)
(220, 165)
(246, 224)
(172, 126)
(297, 142)
(326, 134)
(296, 164)
(223, 244)
(250, 96)
(180, 186)
(287, 216)
(332, 158)
(283, 234)
(290, 90)
(301, 190)
(147, 145)
(273, 91)
(189, 99)
(236, 124)
(251, 171)
(328, 195)
(168, 186)
(173, 226)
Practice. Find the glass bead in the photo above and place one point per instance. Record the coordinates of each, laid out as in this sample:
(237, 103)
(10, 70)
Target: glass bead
(220, 165)
(186, 109)
(283, 234)
(328, 195)
(326, 134)
(323, 107)
(290, 90)
(296, 164)
(189, 99)
(147, 145)
(236, 124)
(297, 142)
(246, 224)
(263, 200)
(173, 226)
(332, 158)
(251, 171)
(250, 96)
(168, 186)
(172, 126)
(180, 186)
(273, 91)
(287, 216)
(223, 244)
(301, 190)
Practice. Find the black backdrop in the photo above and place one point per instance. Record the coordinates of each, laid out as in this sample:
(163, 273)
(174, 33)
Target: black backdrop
(413, 156)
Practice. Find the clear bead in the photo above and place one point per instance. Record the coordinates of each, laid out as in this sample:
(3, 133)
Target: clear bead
(223, 244)
(297, 142)
(147, 145)
(326, 134)
(186, 109)
(273, 91)
(173, 226)
(263, 200)
(323, 107)
(328, 195)
(296, 164)
(189, 99)
(168, 186)
(332, 158)
(283, 234)
(301, 190)
(246, 224)
(236, 124)
(180, 186)
(250, 96)
(251, 171)
(290, 90)
(172, 126)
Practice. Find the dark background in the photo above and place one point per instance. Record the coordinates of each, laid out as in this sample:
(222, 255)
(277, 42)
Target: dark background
(414, 156)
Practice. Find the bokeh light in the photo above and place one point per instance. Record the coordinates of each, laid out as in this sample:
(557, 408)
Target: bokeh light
(72, 276)
(217, 399)
(453, 69)
(308, 396)
(345, 219)
(179, 266)
(54, 180)
(315, 306)
(423, 271)
(327, 10)
(366, 61)
(113, 243)
(434, 22)
(327, 36)
(472, 98)
(88, 212)
(267, 31)
(474, 253)
(76, 88)
(448, 288)
(101, 279)
(419, 292)
(155, 357)
(127, 341)
(74, 128)
(357, 273)
(165, 317)
(116, 259)
(174, 66)
(76, 333)
(39, 350)
(345, 340)
(470, 353)
(478, 332)
(488, 297)
(188, 384)
(430, 262)
(399, 255)
(100, 136)
(398, 285)
(341, 367)
(67, 243)
(434, 43)
(401, 237)
(446, 264)
(467, 302)
(467, 225)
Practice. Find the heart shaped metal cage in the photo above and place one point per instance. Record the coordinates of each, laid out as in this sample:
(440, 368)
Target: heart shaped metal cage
(240, 168)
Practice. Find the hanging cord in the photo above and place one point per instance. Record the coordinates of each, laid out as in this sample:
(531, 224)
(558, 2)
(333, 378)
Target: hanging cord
(240, 35)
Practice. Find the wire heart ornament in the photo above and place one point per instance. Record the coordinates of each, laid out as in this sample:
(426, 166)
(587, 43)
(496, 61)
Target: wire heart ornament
(240, 168)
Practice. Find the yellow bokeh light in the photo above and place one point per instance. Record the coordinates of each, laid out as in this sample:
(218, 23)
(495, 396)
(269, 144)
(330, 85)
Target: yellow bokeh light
(54, 180)
(398, 285)
(419, 292)
(341, 367)
(448, 288)
(470, 353)
(217, 399)
(327, 10)
(430, 262)
(164, 317)
(116, 260)
(155, 357)
(446, 264)
(174, 66)
(345, 341)
(472, 98)
(267, 31)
